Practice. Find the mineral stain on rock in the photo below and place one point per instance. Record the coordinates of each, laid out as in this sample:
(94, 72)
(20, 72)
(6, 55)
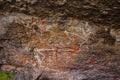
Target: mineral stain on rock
(60, 39)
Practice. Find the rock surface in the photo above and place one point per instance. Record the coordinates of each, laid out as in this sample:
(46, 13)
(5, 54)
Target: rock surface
(60, 39)
(98, 11)
(75, 48)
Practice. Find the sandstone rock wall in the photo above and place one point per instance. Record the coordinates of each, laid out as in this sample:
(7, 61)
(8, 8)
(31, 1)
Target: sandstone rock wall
(102, 12)
(65, 39)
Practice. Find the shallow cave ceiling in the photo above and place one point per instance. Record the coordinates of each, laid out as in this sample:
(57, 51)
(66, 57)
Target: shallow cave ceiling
(101, 12)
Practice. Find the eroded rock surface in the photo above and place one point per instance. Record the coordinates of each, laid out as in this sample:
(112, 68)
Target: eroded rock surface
(98, 11)
(60, 39)
(55, 48)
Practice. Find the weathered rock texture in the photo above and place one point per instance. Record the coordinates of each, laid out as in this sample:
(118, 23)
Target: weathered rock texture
(103, 12)
(60, 39)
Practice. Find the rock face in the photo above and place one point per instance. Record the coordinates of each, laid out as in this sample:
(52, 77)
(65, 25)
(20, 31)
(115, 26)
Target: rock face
(51, 48)
(60, 39)
(97, 11)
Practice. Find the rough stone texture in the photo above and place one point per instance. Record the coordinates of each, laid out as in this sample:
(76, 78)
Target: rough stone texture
(70, 40)
(28, 73)
(102, 12)
(67, 49)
